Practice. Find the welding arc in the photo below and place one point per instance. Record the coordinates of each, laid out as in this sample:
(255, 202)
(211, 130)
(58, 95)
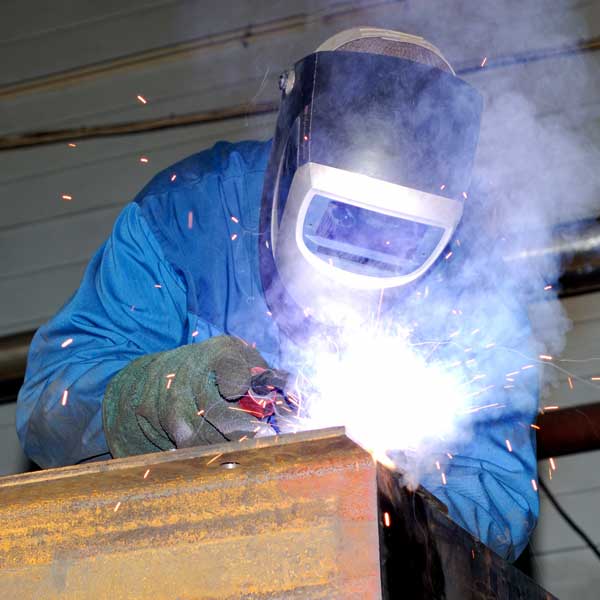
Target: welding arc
(40, 138)
(567, 518)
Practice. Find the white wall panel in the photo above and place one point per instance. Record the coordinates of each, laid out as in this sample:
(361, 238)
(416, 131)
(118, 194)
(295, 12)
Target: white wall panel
(33, 298)
(572, 575)
(105, 30)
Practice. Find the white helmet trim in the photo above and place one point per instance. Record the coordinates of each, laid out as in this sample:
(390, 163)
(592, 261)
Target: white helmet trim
(352, 188)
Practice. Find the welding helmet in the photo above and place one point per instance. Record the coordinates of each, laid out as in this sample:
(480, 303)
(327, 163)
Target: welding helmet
(368, 172)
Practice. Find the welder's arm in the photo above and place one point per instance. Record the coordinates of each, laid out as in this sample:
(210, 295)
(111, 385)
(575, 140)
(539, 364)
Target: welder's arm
(489, 489)
(130, 303)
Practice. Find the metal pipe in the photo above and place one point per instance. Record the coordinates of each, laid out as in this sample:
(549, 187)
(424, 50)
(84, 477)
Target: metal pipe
(576, 246)
(13, 355)
(569, 431)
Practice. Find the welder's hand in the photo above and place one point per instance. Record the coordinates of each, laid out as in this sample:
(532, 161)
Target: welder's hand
(189, 396)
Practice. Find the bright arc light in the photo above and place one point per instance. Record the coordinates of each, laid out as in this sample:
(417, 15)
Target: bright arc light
(386, 395)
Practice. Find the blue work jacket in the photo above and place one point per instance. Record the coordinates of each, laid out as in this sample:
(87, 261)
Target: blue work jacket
(181, 265)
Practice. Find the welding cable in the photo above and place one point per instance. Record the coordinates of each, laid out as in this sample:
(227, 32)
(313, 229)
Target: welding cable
(567, 518)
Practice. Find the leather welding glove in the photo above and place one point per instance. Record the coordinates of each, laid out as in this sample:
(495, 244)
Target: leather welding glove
(184, 397)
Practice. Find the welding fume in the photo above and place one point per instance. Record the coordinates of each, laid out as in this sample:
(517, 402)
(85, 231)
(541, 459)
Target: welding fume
(342, 273)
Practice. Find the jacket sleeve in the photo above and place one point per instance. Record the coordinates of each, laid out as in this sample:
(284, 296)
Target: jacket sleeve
(130, 303)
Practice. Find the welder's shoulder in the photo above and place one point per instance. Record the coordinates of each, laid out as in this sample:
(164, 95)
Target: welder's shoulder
(204, 169)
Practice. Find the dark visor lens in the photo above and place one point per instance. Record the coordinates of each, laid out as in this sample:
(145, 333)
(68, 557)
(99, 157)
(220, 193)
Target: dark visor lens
(365, 241)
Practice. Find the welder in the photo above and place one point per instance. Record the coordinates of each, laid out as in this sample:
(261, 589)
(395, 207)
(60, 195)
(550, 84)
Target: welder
(244, 249)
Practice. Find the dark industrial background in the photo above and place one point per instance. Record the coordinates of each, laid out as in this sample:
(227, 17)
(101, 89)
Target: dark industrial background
(115, 92)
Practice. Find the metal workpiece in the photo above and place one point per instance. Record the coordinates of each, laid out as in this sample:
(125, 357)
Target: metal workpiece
(424, 554)
(288, 517)
(308, 515)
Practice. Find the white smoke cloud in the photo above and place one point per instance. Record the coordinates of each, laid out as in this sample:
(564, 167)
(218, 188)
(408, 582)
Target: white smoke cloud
(461, 339)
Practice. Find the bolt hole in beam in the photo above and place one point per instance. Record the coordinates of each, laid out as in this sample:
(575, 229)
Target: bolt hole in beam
(229, 465)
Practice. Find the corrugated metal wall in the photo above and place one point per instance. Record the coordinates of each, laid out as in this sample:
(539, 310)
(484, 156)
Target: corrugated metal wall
(68, 63)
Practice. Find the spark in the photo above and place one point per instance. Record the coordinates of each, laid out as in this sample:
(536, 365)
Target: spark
(306, 312)
(306, 138)
(465, 195)
(66, 197)
(66, 343)
(475, 331)
(551, 407)
(483, 61)
(490, 345)
(512, 373)
(190, 219)
(594, 378)
(552, 463)
(144, 159)
(509, 387)
(527, 367)
(267, 243)
(116, 508)
(510, 379)
(454, 333)
(157, 285)
(386, 519)
(235, 219)
(472, 554)
(548, 287)
(200, 412)
(142, 99)
(509, 446)
(479, 392)
(269, 313)
(535, 426)
(174, 177)
(194, 333)
(449, 255)
(449, 455)
(169, 382)
(380, 303)
(545, 357)
(234, 237)
(437, 465)
(214, 458)
(443, 187)
(146, 473)
(534, 485)
(570, 382)
(549, 473)
(170, 375)
(65, 397)
(72, 145)
(444, 478)
(244, 437)
(484, 407)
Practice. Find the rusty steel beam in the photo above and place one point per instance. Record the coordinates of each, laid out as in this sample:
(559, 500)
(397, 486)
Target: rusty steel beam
(258, 519)
(299, 516)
